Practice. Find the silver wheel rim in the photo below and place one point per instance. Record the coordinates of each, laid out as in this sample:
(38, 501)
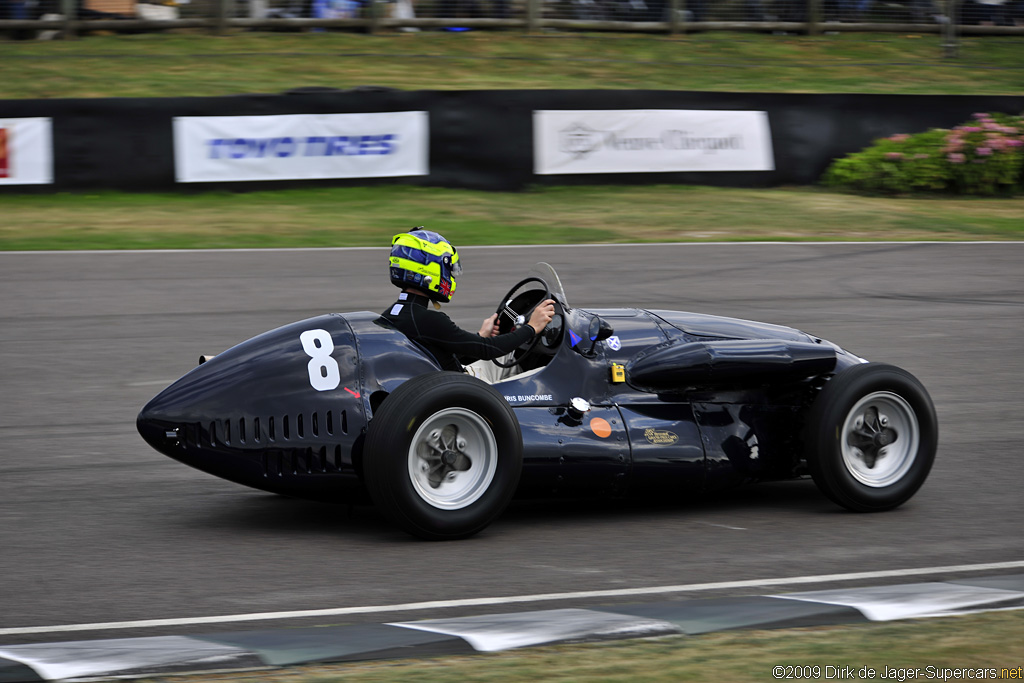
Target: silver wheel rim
(880, 439)
(452, 459)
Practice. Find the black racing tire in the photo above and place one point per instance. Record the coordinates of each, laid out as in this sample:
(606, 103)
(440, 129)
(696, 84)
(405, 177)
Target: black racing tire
(443, 455)
(870, 437)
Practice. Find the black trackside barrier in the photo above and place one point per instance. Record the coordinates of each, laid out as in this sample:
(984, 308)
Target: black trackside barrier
(478, 139)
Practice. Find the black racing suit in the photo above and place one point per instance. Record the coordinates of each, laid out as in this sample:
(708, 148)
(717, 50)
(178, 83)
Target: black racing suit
(450, 344)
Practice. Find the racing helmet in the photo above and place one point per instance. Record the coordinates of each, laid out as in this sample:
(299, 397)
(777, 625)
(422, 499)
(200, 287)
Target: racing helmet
(426, 261)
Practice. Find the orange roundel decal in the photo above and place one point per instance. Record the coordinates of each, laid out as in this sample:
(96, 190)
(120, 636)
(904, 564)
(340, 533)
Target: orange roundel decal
(601, 427)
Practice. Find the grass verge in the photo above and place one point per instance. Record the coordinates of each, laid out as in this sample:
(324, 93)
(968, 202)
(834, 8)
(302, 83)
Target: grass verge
(346, 217)
(171, 64)
(896, 651)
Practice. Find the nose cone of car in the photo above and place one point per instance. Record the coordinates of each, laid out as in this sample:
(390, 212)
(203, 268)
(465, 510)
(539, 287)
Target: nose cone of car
(208, 393)
(152, 426)
(229, 402)
(162, 421)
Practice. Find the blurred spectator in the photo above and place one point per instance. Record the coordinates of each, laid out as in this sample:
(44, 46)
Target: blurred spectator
(23, 9)
(923, 11)
(461, 9)
(986, 13)
(655, 10)
(862, 9)
(13, 9)
(856, 10)
(832, 10)
(753, 10)
(500, 9)
(1017, 12)
(587, 10)
(335, 9)
(791, 10)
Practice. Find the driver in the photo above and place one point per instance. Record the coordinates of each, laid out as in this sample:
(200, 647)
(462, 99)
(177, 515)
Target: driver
(424, 265)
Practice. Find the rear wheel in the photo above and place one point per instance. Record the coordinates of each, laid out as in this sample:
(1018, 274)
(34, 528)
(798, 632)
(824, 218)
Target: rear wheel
(871, 437)
(443, 455)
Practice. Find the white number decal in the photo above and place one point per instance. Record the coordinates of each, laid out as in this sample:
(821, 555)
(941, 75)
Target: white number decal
(324, 373)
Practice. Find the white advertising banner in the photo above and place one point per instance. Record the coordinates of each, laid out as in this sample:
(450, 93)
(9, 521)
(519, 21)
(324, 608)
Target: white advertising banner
(300, 146)
(26, 151)
(651, 141)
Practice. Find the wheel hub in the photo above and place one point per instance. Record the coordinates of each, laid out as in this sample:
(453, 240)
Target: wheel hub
(881, 436)
(452, 459)
(870, 435)
(885, 438)
(444, 456)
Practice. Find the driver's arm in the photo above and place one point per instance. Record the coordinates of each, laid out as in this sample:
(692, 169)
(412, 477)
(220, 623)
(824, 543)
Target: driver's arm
(438, 329)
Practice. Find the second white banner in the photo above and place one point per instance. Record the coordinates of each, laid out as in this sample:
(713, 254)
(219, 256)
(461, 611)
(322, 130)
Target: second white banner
(651, 141)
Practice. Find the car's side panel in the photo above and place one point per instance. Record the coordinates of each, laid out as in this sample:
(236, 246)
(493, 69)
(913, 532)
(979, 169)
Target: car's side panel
(567, 376)
(665, 442)
(387, 357)
(566, 456)
(748, 442)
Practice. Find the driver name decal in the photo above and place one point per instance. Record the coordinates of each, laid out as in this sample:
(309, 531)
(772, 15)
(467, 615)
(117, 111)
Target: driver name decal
(528, 398)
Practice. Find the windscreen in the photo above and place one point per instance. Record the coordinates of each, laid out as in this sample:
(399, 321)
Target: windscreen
(546, 272)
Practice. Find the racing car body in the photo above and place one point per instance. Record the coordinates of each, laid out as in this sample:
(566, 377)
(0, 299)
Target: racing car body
(605, 402)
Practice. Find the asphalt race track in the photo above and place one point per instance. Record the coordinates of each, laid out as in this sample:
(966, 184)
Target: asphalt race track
(96, 527)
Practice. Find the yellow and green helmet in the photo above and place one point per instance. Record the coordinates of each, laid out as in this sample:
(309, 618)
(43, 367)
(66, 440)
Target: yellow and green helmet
(426, 261)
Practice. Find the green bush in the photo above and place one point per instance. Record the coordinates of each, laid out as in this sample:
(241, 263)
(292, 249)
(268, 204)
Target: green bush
(984, 156)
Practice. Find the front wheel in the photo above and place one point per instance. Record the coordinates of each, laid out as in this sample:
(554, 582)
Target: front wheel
(871, 437)
(443, 455)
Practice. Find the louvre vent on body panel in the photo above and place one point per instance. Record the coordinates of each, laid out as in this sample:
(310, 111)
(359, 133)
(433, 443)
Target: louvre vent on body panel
(272, 433)
(268, 429)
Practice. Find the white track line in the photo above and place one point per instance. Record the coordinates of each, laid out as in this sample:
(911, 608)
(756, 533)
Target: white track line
(541, 597)
(602, 245)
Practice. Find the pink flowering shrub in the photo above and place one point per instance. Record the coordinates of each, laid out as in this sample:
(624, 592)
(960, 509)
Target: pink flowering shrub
(985, 156)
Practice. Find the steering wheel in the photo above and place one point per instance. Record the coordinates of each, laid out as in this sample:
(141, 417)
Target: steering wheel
(508, 318)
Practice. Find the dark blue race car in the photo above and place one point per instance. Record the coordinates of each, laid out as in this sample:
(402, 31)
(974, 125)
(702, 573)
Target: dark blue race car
(606, 402)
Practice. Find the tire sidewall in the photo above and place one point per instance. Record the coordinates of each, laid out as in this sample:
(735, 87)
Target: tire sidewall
(824, 436)
(389, 438)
